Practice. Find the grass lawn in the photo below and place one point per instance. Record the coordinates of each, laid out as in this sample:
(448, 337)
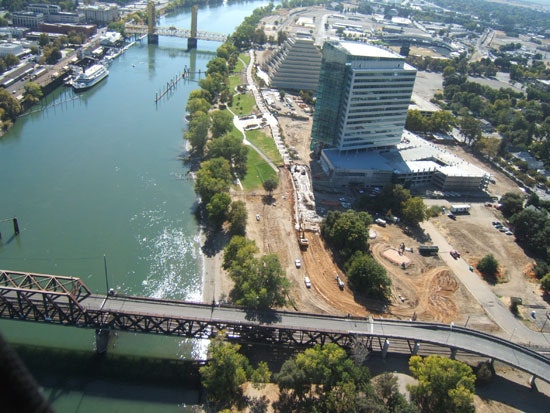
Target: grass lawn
(243, 104)
(266, 145)
(257, 172)
(235, 79)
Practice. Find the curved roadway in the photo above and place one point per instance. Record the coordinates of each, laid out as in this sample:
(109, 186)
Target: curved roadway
(445, 335)
(494, 307)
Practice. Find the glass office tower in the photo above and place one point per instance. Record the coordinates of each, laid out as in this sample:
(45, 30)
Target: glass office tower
(363, 96)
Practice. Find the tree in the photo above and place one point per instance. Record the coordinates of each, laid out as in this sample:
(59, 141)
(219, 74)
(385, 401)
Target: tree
(262, 286)
(214, 176)
(237, 217)
(413, 211)
(222, 122)
(416, 122)
(226, 370)
(488, 265)
(323, 379)
(217, 209)
(347, 232)
(270, 185)
(197, 135)
(238, 250)
(444, 385)
(10, 106)
(470, 128)
(441, 121)
(367, 276)
(510, 204)
(231, 148)
(33, 92)
(532, 228)
(386, 388)
(197, 104)
(545, 283)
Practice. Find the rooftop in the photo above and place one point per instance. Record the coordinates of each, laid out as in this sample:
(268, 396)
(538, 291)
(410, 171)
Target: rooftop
(368, 50)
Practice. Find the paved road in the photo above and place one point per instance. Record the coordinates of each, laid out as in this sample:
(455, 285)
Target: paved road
(494, 307)
(445, 335)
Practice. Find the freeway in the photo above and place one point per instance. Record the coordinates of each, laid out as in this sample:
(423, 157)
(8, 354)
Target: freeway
(449, 336)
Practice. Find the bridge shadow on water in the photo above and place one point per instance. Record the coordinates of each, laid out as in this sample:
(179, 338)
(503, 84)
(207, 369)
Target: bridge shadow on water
(152, 380)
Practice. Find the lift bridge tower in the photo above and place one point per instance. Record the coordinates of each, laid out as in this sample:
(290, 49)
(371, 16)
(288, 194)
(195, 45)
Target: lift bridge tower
(192, 40)
(152, 37)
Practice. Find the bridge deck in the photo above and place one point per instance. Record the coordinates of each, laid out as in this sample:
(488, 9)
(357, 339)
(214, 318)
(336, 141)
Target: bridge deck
(217, 317)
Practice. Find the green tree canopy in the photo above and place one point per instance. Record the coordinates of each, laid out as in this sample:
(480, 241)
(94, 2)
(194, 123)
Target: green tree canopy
(217, 209)
(197, 134)
(238, 250)
(488, 265)
(347, 231)
(198, 104)
(444, 385)
(510, 204)
(231, 148)
(227, 370)
(470, 128)
(214, 176)
(263, 286)
(237, 217)
(413, 211)
(222, 122)
(323, 379)
(33, 92)
(367, 276)
(270, 185)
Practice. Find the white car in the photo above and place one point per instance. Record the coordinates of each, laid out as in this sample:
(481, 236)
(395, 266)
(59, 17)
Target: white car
(297, 262)
(307, 281)
(257, 217)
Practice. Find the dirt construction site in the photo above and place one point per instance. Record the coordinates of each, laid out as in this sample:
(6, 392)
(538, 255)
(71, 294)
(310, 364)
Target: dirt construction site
(425, 288)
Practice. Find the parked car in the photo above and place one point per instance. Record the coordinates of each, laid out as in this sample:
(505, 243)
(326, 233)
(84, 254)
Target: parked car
(307, 281)
(297, 262)
(340, 282)
(452, 216)
(257, 217)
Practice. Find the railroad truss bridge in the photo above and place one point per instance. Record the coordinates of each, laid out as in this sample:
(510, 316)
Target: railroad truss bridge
(68, 301)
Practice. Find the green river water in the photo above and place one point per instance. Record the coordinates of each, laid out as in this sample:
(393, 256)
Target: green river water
(101, 175)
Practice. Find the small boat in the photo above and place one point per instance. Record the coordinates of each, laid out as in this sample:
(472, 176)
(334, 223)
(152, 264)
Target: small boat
(90, 77)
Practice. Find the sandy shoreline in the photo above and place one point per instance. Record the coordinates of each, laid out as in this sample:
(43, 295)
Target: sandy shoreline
(216, 284)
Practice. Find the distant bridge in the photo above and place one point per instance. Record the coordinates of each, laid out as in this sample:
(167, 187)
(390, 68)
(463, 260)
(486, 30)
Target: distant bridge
(68, 301)
(153, 32)
(141, 29)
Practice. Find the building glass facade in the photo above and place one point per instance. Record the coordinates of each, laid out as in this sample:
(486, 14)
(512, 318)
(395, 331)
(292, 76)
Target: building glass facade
(363, 96)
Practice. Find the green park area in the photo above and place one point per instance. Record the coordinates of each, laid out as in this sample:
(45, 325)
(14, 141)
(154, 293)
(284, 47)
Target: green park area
(258, 171)
(265, 144)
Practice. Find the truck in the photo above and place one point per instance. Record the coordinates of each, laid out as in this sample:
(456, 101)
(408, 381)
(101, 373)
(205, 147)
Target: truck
(428, 249)
(381, 222)
(302, 240)
(460, 209)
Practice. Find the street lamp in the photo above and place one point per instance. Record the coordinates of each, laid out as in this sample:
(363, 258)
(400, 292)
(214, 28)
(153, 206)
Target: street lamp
(547, 318)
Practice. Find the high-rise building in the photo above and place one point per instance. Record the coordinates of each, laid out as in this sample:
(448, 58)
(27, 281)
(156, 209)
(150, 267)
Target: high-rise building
(363, 96)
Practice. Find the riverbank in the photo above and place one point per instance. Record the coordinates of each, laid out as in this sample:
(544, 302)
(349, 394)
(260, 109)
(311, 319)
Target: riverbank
(216, 283)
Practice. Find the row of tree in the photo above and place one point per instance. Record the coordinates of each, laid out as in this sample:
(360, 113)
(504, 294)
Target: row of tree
(531, 226)
(325, 379)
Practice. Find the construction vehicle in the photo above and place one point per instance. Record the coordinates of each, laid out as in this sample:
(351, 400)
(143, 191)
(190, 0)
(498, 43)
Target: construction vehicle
(302, 240)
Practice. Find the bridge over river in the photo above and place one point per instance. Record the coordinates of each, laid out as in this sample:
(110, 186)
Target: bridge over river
(67, 301)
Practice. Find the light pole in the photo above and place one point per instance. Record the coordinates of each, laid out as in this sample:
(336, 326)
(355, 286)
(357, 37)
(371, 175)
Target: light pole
(544, 324)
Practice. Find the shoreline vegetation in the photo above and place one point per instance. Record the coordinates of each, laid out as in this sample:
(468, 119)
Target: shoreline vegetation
(218, 159)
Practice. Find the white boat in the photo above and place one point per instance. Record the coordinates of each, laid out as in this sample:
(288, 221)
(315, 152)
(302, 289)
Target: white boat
(90, 77)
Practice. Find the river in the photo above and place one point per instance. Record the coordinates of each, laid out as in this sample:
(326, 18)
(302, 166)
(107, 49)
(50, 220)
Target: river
(98, 178)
